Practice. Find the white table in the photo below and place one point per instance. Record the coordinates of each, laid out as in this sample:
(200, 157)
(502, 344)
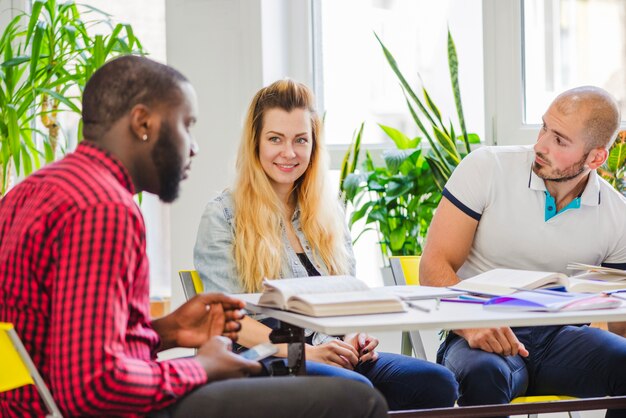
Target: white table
(449, 315)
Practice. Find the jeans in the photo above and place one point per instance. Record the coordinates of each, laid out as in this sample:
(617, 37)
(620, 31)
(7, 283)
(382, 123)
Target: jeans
(563, 360)
(278, 397)
(405, 382)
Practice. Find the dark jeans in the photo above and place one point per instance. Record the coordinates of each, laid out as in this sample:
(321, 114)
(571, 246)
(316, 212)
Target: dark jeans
(278, 397)
(564, 360)
(406, 382)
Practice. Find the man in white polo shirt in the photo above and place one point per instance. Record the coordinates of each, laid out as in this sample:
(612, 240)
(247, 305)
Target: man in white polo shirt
(534, 208)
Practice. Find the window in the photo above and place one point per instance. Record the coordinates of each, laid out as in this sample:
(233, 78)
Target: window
(564, 47)
(358, 85)
(354, 82)
(535, 49)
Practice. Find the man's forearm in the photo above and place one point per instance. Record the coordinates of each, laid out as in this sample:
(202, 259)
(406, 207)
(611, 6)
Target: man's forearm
(435, 271)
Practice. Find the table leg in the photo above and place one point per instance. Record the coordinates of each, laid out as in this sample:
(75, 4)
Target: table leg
(294, 337)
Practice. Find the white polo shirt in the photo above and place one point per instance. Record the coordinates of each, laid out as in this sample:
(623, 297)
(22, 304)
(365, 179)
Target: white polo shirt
(497, 187)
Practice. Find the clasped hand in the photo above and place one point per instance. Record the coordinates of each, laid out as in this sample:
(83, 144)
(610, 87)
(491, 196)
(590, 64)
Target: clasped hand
(354, 349)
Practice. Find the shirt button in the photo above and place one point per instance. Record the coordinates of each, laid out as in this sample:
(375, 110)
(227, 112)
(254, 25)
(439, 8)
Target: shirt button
(307, 247)
(550, 208)
(300, 229)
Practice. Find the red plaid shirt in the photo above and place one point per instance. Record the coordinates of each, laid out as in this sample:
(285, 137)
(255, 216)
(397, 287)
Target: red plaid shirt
(74, 281)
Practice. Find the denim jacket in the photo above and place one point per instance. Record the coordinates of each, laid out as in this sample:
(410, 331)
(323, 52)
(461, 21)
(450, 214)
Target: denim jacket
(215, 261)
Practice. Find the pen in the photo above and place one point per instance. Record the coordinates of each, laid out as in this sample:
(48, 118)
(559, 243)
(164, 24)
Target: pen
(418, 307)
(546, 292)
(481, 302)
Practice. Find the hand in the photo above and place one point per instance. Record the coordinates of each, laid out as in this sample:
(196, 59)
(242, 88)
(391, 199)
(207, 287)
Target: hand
(202, 317)
(336, 353)
(494, 340)
(219, 362)
(364, 344)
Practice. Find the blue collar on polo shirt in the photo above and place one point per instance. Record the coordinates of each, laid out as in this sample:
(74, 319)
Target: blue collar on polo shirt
(589, 197)
(550, 210)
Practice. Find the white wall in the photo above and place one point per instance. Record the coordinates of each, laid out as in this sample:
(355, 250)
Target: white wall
(228, 49)
(217, 45)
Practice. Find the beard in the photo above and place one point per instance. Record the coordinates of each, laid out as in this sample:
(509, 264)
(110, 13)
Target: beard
(169, 166)
(558, 175)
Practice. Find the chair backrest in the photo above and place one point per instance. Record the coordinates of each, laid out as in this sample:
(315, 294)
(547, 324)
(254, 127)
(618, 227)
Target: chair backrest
(192, 284)
(405, 269)
(17, 368)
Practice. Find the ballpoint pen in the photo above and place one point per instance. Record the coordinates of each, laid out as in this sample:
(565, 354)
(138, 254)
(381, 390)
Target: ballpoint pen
(546, 292)
(416, 306)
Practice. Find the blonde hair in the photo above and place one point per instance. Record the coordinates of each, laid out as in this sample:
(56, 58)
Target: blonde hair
(259, 250)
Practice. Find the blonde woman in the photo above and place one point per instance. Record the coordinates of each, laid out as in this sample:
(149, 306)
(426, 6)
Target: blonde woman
(282, 220)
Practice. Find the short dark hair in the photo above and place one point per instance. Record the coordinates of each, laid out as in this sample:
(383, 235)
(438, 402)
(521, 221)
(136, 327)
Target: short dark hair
(122, 83)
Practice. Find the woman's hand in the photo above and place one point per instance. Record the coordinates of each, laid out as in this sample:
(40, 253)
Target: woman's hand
(336, 353)
(364, 345)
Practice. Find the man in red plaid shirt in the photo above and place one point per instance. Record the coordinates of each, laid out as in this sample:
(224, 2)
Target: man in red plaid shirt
(74, 275)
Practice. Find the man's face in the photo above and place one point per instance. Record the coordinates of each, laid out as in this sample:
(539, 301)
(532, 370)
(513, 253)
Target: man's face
(175, 145)
(561, 152)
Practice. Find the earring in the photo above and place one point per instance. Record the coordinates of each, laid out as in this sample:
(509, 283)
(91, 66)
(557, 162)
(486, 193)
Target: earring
(144, 138)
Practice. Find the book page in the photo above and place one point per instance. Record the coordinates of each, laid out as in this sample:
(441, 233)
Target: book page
(277, 292)
(344, 303)
(597, 269)
(507, 281)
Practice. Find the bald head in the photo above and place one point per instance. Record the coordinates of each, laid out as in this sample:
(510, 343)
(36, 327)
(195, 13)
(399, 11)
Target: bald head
(597, 108)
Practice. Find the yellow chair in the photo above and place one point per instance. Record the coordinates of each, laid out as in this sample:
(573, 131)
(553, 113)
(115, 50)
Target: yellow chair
(17, 368)
(405, 270)
(192, 284)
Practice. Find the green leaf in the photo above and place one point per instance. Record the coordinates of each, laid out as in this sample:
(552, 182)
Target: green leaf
(453, 66)
(14, 136)
(394, 66)
(34, 18)
(65, 100)
(361, 212)
(28, 164)
(352, 183)
(48, 153)
(431, 105)
(357, 148)
(369, 163)
(36, 50)
(397, 238)
(401, 140)
(397, 189)
(447, 144)
(394, 159)
(15, 61)
(617, 157)
(440, 174)
(415, 142)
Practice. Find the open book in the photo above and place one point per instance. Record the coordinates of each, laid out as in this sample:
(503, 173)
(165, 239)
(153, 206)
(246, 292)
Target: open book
(327, 296)
(507, 281)
(551, 301)
(499, 282)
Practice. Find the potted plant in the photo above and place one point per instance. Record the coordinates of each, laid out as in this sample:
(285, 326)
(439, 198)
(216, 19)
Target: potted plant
(46, 58)
(614, 169)
(400, 197)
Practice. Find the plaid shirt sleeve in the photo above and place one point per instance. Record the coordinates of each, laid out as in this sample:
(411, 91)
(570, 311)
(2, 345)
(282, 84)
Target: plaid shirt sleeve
(101, 347)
